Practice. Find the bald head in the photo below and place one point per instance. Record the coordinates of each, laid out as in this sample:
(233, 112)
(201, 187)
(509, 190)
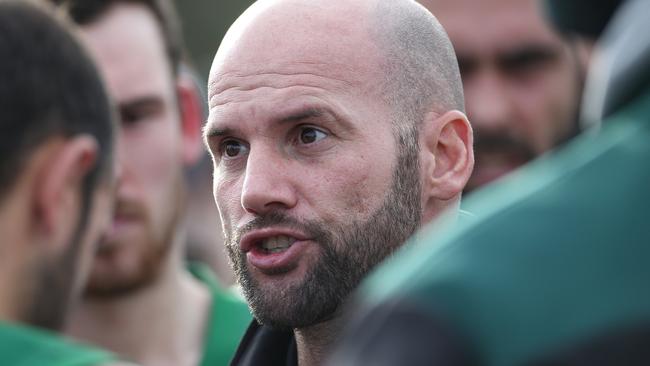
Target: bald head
(395, 49)
(337, 119)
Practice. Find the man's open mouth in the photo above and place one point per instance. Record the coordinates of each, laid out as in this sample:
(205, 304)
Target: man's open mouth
(275, 244)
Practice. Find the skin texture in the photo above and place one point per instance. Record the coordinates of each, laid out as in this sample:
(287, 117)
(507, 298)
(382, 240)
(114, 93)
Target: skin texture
(305, 148)
(139, 288)
(522, 81)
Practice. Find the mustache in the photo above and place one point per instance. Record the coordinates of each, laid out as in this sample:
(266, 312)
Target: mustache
(490, 142)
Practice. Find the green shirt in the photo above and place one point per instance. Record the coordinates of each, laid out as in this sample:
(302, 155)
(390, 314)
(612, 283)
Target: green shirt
(229, 319)
(22, 345)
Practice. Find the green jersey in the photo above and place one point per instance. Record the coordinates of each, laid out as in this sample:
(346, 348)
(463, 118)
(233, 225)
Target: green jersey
(21, 345)
(229, 319)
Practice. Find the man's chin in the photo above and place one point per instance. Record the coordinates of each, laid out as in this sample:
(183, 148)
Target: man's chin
(288, 303)
(113, 288)
(112, 279)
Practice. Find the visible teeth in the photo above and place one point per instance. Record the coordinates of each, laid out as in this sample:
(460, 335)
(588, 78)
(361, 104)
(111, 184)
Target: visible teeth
(277, 243)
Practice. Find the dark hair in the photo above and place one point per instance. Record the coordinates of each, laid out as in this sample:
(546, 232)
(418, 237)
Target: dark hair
(85, 12)
(48, 87)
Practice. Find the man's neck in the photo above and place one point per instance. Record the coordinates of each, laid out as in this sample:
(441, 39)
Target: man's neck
(162, 324)
(314, 342)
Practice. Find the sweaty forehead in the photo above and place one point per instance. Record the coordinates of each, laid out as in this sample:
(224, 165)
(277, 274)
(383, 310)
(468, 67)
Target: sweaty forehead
(331, 40)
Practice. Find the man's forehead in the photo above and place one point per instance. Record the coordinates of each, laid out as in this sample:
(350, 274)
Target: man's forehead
(305, 37)
(333, 76)
(135, 66)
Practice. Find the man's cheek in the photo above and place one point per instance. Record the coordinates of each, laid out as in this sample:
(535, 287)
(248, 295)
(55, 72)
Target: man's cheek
(358, 194)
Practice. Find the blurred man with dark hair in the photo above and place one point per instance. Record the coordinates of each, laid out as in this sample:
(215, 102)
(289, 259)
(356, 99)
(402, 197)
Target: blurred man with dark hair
(522, 80)
(141, 300)
(556, 272)
(56, 179)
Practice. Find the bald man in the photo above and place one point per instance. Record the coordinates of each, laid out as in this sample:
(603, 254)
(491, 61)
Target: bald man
(336, 130)
(522, 80)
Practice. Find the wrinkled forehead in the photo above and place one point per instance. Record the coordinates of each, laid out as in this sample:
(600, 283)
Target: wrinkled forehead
(333, 40)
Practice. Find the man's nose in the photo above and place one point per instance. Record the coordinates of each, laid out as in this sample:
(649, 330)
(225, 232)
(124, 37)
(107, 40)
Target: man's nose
(489, 106)
(268, 183)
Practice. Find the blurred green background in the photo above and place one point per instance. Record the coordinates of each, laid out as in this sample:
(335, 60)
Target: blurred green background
(204, 24)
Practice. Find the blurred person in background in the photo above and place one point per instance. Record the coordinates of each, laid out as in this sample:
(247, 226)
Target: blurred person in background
(204, 243)
(56, 183)
(556, 272)
(522, 80)
(333, 140)
(204, 238)
(142, 300)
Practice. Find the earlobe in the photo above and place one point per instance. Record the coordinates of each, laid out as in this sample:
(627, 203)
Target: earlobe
(59, 184)
(450, 147)
(192, 116)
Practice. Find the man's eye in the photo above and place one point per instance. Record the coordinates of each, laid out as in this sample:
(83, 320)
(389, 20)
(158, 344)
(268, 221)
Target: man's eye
(309, 135)
(130, 118)
(232, 148)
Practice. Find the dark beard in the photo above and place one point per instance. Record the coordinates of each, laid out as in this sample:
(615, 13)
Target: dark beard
(348, 253)
(55, 292)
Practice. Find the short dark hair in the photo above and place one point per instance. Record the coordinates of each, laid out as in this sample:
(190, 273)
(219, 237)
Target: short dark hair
(84, 12)
(49, 87)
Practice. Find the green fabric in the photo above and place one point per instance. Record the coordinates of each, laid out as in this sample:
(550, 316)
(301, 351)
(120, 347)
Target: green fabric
(229, 319)
(26, 346)
(557, 253)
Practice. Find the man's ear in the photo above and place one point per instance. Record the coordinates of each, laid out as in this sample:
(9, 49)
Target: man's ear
(192, 116)
(447, 143)
(59, 185)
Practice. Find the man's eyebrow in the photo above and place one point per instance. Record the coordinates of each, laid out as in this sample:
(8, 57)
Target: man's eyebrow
(312, 112)
(466, 62)
(147, 102)
(529, 53)
(209, 131)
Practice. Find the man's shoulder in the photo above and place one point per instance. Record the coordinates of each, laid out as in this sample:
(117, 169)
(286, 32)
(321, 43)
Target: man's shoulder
(553, 233)
(586, 192)
(595, 179)
(593, 191)
(24, 345)
(574, 188)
